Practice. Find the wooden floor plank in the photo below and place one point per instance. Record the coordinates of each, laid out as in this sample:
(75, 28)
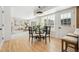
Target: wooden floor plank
(20, 43)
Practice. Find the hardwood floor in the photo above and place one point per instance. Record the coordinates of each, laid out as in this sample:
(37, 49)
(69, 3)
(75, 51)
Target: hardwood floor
(20, 43)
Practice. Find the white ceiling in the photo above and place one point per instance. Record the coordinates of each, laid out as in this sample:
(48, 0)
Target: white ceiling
(44, 8)
(22, 12)
(27, 11)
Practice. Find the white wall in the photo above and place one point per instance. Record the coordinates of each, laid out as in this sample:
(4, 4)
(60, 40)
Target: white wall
(64, 28)
(6, 22)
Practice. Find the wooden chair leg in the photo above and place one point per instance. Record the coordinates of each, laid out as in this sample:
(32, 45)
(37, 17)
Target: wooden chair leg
(45, 40)
(32, 40)
(76, 48)
(62, 45)
(49, 38)
(40, 38)
(29, 38)
(66, 45)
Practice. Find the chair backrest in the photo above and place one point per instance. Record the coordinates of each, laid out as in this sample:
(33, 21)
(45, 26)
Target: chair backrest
(30, 31)
(47, 29)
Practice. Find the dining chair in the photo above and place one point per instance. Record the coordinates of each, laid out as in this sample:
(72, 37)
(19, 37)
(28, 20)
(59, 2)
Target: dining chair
(48, 29)
(31, 34)
(70, 41)
(46, 33)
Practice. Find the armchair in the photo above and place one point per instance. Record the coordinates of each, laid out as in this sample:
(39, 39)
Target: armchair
(71, 38)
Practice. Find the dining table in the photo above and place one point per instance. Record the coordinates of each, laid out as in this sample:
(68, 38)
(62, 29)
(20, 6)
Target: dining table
(38, 32)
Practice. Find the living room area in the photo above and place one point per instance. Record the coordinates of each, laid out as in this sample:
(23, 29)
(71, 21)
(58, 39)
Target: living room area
(39, 28)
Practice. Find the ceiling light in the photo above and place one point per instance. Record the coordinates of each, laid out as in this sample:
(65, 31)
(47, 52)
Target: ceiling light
(39, 12)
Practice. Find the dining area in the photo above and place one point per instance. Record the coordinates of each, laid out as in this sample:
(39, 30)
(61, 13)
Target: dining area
(39, 33)
(51, 32)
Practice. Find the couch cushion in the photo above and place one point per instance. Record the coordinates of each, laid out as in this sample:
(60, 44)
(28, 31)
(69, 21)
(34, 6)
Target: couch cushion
(70, 39)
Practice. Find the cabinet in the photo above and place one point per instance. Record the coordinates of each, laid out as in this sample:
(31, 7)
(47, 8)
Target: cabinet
(6, 17)
(1, 28)
(5, 24)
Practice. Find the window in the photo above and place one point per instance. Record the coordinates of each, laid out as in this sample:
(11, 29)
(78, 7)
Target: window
(66, 19)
